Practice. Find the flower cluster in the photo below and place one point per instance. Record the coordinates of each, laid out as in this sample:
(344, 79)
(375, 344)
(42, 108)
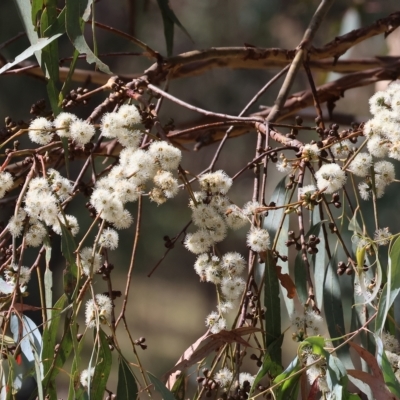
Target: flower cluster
(42, 208)
(224, 378)
(67, 125)
(126, 180)
(316, 371)
(225, 274)
(383, 134)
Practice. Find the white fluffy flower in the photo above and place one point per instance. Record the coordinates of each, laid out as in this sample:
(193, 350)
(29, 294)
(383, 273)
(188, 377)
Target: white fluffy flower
(81, 131)
(378, 102)
(215, 322)
(258, 239)
(40, 131)
(232, 288)
(341, 149)
(246, 377)
(384, 172)
(130, 115)
(6, 183)
(109, 239)
(99, 308)
(165, 181)
(235, 217)
(382, 236)
(201, 264)
(215, 182)
(330, 178)
(35, 235)
(378, 146)
(224, 377)
(70, 222)
(361, 164)
(60, 185)
(88, 261)
(310, 152)
(307, 190)
(199, 242)
(364, 190)
(86, 376)
(233, 263)
(284, 166)
(166, 155)
(390, 343)
(16, 223)
(63, 122)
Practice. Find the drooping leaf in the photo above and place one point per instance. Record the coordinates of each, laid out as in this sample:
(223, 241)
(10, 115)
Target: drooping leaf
(71, 270)
(161, 388)
(319, 259)
(300, 278)
(333, 306)
(103, 368)
(74, 23)
(24, 8)
(30, 51)
(388, 375)
(127, 386)
(179, 387)
(272, 306)
(391, 288)
(49, 342)
(268, 366)
(169, 21)
(290, 381)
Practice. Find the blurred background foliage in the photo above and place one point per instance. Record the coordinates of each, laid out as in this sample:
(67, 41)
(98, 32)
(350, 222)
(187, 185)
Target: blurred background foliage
(169, 308)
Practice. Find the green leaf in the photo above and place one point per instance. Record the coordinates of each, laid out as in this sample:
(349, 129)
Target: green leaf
(74, 23)
(268, 365)
(30, 51)
(391, 288)
(290, 381)
(169, 20)
(50, 371)
(127, 386)
(161, 388)
(273, 306)
(103, 368)
(333, 306)
(37, 6)
(388, 375)
(319, 259)
(25, 12)
(178, 390)
(300, 278)
(71, 270)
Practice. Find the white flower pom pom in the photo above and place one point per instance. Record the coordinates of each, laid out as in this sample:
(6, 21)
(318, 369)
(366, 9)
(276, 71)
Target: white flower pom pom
(235, 217)
(361, 164)
(166, 155)
(101, 306)
(198, 242)
(216, 182)
(81, 131)
(310, 152)
(85, 376)
(258, 239)
(63, 122)
(330, 178)
(6, 183)
(232, 288)
(224, 377)
(109, 239)
(40, 131)
(88, 261)
(130, 115)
